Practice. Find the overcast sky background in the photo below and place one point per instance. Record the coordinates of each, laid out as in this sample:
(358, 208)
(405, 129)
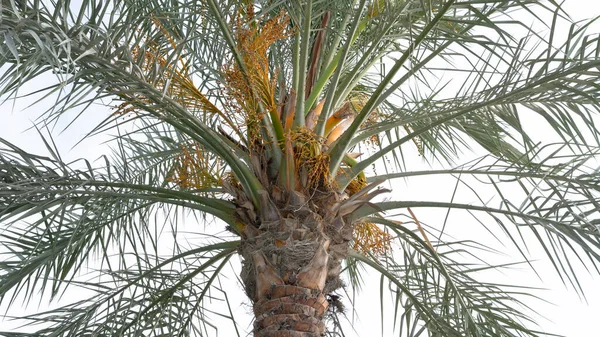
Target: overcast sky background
(568, 314)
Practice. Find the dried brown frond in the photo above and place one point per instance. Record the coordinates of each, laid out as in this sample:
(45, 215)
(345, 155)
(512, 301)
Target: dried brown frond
(369, 238)
(376, 8)
(412, 214)
(254, 84)
(124, 109)
(164, 31)
(195, 169)
(417, 140)
(175, 80)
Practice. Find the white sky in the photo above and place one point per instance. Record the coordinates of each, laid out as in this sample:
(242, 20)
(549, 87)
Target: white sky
(567, 315)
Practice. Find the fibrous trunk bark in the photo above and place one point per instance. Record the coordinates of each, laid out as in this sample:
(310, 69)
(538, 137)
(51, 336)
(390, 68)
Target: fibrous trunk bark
(292, 309)
(291, 262)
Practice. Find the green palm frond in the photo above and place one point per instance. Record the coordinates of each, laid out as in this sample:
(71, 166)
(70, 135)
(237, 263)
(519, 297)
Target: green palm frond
(144, 298)
(80, 213)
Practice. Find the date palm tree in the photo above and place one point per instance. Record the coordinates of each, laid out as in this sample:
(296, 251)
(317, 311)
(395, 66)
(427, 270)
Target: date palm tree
(282, 122)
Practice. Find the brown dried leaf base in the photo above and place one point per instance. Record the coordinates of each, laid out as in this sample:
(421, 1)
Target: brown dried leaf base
(290, 311)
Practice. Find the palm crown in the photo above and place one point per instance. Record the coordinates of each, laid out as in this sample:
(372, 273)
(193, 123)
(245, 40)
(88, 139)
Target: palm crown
(268, 115)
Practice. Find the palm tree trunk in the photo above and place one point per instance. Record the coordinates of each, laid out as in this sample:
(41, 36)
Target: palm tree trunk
(293, 305)
(292, 249)
(288, 268)
(290, 311)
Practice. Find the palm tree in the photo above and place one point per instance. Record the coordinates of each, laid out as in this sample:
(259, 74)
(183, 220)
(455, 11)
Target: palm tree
(267, 117)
